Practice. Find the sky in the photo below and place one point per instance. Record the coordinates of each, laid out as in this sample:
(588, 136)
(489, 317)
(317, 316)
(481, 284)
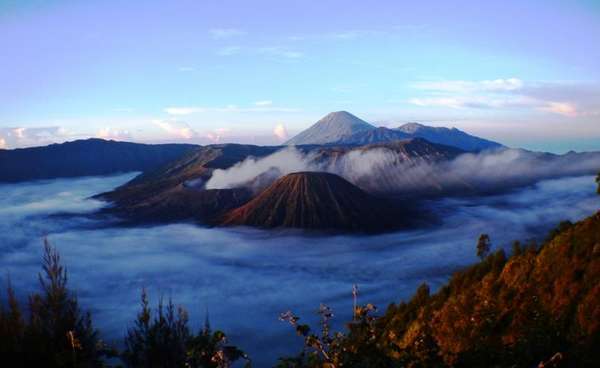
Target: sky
(526, 74)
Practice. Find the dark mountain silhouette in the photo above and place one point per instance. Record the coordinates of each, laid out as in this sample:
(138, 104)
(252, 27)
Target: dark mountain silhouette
(175, 192)
(392, 161)
(377, 135)
(85, 157)
(315, 200)
(343, 128)
(439, 135)
(331, 128)
(178, 188)
(447, 136)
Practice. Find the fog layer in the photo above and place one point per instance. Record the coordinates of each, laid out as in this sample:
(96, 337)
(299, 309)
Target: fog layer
(245, 278)
(385, 170)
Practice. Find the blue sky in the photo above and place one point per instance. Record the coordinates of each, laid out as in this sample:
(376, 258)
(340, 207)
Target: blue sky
(523, 73)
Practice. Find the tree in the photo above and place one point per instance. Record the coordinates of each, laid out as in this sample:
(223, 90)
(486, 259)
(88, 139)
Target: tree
(64, 332)
(12, 325)
(483, 246)
(55, 332)
(162, 339)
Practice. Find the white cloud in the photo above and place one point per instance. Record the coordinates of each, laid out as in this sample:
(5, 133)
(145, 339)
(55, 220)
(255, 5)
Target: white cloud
(278, 52)
(561, 108)
(13, 137)
(280, 132)
(281, 52)
(260, 106)
(183, 110)
(177, 129)
(354, 34)
(568, 99)
(114, 134)
(217, 135)
(186, 68)
(221, 33)
(438, 101)
(229, 50)
(496, 85)
(2, 143)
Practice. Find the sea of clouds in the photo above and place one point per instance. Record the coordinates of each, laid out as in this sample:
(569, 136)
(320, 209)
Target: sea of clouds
(382, 170)
(243, 277)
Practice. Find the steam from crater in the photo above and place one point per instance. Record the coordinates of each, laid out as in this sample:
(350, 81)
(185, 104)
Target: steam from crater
(386, 171)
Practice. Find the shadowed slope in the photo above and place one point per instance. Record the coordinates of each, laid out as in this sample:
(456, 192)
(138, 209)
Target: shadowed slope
(447, 136)
(315, 200)
(85, 157)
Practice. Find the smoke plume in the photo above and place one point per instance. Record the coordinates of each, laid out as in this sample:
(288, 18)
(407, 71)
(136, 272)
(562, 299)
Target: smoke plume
(382, 170)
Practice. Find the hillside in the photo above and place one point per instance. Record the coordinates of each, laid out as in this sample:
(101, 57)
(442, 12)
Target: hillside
(541, 304)
(438, 135)
(377, 135)
(175, 192)
(315, 200)
(448, 136)
(85, 158)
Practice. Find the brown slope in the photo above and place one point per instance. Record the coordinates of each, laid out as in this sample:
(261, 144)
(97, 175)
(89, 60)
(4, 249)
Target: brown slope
(315, 200)
(174, 192)
(508, 313)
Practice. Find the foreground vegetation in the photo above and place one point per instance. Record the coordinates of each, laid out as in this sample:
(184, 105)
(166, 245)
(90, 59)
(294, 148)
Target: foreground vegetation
(538, 307)
(56, 333)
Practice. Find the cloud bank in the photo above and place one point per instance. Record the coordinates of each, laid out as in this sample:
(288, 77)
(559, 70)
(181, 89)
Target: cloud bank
(245, 278)
(568, 99)
(382, 170)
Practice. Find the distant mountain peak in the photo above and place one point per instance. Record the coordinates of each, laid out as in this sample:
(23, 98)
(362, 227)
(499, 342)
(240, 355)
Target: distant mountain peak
(342, 114)
(331, 128)
(341, 127)
(411, 127)
(448, 136)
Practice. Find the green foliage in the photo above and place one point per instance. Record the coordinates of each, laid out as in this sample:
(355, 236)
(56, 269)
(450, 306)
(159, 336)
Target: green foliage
(539, 305)
(483, 246)
(517, 249)
(162, 339)
(561, 227)
(56, 333)
(326, 349)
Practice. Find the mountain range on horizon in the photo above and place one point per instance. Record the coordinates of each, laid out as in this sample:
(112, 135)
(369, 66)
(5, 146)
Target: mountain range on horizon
(353, 165)
(96, 156)
(342, 127)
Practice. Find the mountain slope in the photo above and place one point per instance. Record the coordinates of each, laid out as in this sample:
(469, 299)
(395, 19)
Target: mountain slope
(377, 135)
(538, 308)
(507, 313)
(85, 157)
(396, 167)
(175, 191)
(449, 137)
(343, 128)
(314, 200)
(331, 128)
